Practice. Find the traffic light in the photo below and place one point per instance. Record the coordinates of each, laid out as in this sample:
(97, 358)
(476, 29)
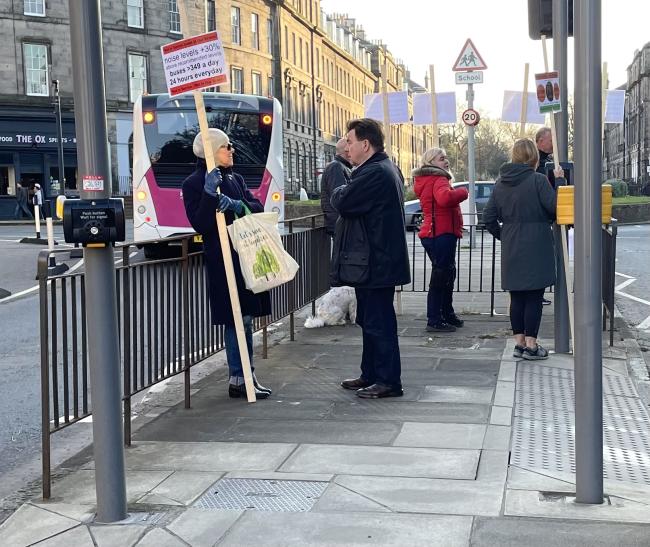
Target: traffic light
(540, 18)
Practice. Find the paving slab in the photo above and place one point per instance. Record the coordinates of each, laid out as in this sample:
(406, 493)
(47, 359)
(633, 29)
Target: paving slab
(182, 487)
(515, 532)
(349, 529)
(501, 415)
(526, 479)
(457, 394)
(79, 487)
(507, 371)
(77, 537)
(160, 538)
(206, 456)
(493, 466)
(276, 475)
(497, 437)
(462, 378)
(201, 528)
(82, 513)
(117, 535)
(439, 496)
(441, 435)
(313, 431)
(390, 461)
(475, 364)
(181, 428)
(533, 504)
(504, 394)
(338, 498)
(30, 524)
(384, 410)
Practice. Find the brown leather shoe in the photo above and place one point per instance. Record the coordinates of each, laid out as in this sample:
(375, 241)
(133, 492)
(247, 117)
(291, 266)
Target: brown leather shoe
(379, 391)
(355, 383)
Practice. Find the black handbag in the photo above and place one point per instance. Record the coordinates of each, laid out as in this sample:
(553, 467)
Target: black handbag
(350, 254)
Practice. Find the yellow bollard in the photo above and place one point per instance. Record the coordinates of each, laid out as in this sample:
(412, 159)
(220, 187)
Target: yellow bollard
(566, 204)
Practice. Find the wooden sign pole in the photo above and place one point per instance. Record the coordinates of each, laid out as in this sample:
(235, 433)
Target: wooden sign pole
(384, 98)
(434, 107)
(223, 234)
(524, 104)
(563, 228)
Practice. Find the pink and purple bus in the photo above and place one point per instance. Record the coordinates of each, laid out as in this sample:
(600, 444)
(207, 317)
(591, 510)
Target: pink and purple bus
(163, 132)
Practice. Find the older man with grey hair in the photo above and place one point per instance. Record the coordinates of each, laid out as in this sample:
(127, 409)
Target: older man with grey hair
(336, 173)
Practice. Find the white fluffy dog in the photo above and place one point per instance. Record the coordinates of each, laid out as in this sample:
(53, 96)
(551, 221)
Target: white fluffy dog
(333, 308)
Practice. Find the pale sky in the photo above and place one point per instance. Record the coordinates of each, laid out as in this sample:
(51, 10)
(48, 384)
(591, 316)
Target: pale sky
(421, 33)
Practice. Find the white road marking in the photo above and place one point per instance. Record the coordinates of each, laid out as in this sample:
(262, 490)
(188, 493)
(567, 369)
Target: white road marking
(644, 324)
(35, 288)
(625, 276)
(624, 284)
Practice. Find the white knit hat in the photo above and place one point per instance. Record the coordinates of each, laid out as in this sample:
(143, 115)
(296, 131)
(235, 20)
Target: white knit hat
(217, 137)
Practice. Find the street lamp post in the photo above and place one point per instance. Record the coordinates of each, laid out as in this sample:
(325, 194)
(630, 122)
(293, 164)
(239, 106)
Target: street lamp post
(59, 136)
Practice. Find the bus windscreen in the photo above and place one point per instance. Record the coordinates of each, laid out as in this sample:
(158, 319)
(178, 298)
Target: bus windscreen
(171, 134)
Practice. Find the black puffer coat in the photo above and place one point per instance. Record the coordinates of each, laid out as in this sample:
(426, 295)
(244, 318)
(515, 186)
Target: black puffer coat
(374, 194)
(519, 213)
(200, 208)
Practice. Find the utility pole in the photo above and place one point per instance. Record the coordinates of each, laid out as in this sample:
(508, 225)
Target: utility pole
(59, 135)
(561, 304)
(588, 230)
(101, 309)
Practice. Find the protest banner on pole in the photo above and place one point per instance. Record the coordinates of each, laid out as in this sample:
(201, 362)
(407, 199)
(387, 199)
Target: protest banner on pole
(563, 229)
(193, 64)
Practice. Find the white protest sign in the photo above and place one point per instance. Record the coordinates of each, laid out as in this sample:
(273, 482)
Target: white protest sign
(512, 108)
(615, 106)
(547, 85)
(445, 108)
(194, 63)
(398, 107)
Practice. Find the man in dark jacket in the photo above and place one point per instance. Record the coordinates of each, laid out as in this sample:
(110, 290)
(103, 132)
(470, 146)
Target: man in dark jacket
(544, 143)
(336, 173)
(372, 200)
(202, 201)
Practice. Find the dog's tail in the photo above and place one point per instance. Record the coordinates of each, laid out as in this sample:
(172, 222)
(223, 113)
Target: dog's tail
(314, 322)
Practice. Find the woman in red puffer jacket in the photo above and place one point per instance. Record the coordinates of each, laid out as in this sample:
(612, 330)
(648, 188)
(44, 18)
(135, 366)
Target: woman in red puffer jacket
(441, 229)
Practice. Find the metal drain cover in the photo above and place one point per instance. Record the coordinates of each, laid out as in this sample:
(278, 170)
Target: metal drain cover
(262, 495)
(544, 425)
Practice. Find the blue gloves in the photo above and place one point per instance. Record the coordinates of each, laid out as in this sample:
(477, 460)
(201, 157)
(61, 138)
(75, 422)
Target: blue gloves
(212, 181)
(229, 204)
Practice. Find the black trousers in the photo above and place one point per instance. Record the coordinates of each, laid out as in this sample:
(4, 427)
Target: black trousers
(526, 311)
(380, 361)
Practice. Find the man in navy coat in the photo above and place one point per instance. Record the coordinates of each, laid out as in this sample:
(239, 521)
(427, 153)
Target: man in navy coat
(374, 197)
(202, 202)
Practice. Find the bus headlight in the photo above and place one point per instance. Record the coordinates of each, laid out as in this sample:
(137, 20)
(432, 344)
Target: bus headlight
(141, 195)
(148, 117)
(276, 196)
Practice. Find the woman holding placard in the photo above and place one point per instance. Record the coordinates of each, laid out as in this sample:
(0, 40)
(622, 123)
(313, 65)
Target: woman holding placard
(202, 202)
(520, 212)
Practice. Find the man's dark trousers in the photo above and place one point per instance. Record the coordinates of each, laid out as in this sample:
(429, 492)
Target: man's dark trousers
(380, 362)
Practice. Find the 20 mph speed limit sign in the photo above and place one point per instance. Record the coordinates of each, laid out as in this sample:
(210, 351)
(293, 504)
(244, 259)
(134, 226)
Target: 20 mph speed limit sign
(471, 117)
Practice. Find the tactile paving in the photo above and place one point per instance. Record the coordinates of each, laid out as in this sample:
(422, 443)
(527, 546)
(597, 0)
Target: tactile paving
(262, 495)
(544, 424)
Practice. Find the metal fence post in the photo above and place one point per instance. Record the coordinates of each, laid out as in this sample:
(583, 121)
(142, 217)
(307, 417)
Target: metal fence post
(43, 261)
(186, 319)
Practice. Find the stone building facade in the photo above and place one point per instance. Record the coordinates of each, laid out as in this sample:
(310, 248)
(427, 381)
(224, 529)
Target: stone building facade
(319, 66)
(627, 146)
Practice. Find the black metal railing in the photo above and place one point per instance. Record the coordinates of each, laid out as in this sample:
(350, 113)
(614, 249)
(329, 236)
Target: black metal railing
(609, 276)
(164, 323)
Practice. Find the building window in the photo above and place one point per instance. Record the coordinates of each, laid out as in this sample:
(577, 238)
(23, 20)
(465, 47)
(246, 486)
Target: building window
(35, 62)
(317, 59)
(174, 17)
(34, 7)
(236, 80)
(212, 18)
(256, 83)
(137, 75)
(255, 31)
(235, 29)
(269, 36)
(293, 39)
(300, 50)
(135, 13)
(269, 82)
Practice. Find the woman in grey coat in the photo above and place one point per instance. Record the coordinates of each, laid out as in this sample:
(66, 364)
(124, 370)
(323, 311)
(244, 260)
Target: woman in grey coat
(519, 213)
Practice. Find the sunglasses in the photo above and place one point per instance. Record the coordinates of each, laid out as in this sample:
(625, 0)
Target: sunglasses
(228, 147)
